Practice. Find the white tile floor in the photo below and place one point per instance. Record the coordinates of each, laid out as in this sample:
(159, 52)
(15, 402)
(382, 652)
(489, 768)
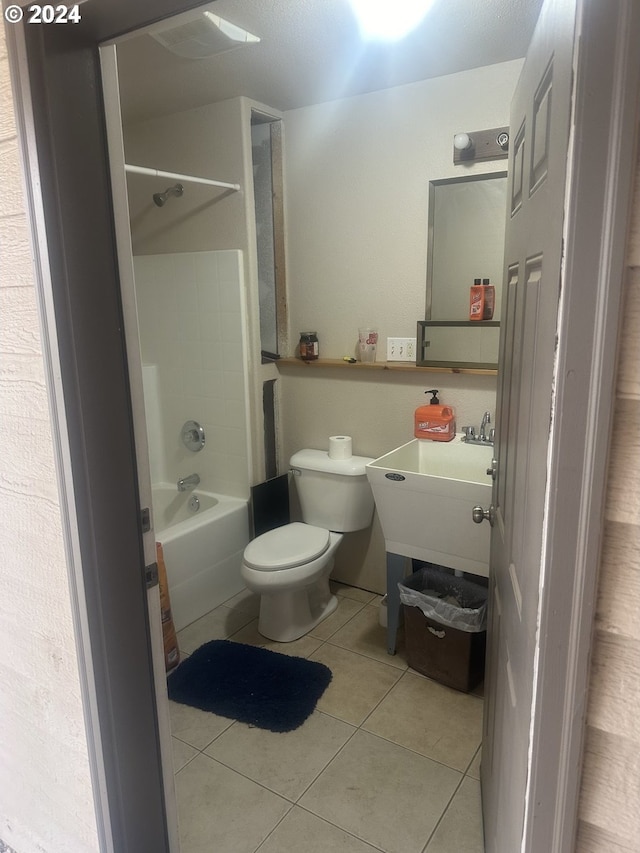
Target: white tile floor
(389, 760)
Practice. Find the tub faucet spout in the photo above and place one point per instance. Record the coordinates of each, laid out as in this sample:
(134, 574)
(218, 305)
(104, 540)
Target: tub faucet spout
(188, 483)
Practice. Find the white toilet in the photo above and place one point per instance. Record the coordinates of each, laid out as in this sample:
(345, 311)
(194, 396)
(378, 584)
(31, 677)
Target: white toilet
(289, 567)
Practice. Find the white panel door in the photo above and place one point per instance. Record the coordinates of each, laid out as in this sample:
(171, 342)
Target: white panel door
(540, 123)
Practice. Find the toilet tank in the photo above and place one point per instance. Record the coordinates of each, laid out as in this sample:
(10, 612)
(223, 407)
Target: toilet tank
(334, 493)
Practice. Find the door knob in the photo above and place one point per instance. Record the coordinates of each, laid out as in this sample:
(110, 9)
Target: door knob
(493, 470)
(479, 515)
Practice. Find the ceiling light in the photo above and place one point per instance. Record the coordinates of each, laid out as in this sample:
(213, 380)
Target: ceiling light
(382, 21)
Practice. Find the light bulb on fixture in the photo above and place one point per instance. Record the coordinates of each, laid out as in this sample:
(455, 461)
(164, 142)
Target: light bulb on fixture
(490, 144)
(462, 142)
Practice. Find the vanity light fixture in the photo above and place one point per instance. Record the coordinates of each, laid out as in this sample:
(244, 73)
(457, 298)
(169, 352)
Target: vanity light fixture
(479, 145)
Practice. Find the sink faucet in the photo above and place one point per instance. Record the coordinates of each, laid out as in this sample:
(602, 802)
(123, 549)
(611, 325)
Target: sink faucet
(187, 483)
(471, 437)
(486, 419)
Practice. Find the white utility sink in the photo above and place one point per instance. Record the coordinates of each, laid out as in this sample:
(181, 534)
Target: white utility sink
(424, 493)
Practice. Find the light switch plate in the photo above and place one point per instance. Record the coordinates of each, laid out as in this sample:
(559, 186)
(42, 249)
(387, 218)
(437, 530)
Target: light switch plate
(401, 349)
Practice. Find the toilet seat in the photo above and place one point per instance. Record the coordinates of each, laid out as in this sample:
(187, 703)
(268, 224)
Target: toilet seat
(286, 547)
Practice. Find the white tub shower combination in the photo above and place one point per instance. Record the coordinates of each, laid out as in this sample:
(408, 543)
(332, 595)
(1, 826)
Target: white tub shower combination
(192, 321)
(202, 550)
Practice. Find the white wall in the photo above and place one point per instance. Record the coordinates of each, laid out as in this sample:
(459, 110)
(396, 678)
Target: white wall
(46, 801)
(357, 175)
(191, 317)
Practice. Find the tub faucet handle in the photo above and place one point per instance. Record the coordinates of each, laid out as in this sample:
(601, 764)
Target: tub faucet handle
(192, 435)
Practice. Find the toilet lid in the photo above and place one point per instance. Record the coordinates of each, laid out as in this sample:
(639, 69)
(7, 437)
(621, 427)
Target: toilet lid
(286, 547)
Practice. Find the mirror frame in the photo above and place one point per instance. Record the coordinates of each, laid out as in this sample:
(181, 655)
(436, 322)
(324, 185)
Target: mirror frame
(428, 321)
(462, 179)
(423, 325)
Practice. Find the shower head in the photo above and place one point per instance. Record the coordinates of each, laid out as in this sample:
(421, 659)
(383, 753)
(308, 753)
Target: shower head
(160, 198)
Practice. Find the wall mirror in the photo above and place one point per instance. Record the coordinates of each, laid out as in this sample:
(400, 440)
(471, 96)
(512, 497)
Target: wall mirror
(465, 241)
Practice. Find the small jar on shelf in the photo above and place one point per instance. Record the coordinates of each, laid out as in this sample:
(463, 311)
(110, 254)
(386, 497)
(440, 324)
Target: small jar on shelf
(309, 348)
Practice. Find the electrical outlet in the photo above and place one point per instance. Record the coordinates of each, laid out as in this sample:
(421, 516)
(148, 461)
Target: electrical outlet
(401, 349)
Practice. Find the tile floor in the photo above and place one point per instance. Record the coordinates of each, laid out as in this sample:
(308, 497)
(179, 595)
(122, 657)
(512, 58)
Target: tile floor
(389, 760)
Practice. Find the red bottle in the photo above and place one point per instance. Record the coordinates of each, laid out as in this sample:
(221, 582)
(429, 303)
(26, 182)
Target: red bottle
(482, 300)
(476, 301)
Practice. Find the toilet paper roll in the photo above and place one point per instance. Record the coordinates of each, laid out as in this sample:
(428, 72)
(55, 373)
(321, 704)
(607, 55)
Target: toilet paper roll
(340, 447)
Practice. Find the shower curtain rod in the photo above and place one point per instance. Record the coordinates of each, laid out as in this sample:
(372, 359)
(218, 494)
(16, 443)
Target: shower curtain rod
(158, 173)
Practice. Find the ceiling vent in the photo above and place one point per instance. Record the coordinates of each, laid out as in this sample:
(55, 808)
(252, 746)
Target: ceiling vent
(206, 35)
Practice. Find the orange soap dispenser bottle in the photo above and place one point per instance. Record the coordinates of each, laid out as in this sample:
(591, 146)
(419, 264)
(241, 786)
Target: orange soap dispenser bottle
(434, 422)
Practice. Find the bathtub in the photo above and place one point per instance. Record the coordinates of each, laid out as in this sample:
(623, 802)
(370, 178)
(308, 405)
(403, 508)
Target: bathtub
(202, 550)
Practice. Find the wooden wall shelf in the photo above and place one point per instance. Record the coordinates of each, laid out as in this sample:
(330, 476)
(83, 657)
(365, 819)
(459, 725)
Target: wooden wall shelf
(397, 366)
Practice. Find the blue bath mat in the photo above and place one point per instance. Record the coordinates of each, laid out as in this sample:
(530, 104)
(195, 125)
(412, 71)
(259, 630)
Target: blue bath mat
(256, 686)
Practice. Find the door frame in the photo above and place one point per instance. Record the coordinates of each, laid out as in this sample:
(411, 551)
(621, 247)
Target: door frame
(602, 155)
(56, 80)
(65, 159)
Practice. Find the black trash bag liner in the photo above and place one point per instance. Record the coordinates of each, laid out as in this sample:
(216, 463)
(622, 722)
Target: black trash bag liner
(456, 602)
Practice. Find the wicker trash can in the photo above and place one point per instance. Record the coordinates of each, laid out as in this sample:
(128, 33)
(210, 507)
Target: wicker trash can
(445, 627)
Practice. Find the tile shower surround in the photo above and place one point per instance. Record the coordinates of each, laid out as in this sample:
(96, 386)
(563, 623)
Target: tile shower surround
(191, 319)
